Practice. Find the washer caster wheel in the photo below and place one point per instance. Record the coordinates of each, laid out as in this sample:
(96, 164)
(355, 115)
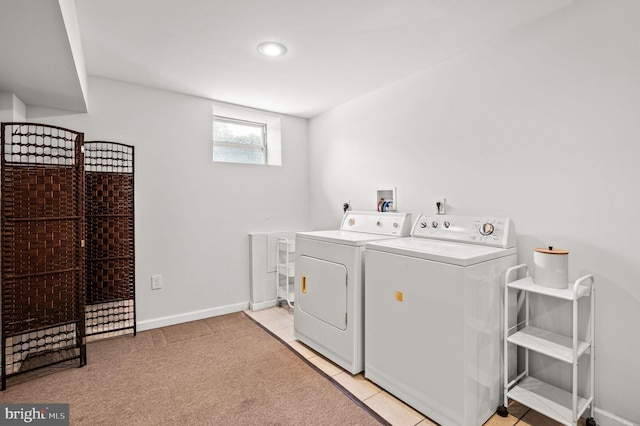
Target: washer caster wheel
(504, 412)
(590, 421)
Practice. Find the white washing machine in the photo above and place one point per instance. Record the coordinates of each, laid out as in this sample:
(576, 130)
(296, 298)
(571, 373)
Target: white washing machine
(329, 282)
(433, 315)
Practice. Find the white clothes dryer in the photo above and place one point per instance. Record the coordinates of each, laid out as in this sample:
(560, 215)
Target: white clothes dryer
(433, 315)
(328, 315)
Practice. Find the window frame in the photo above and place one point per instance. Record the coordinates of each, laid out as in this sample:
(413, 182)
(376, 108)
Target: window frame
(263, 147)
(271, 119)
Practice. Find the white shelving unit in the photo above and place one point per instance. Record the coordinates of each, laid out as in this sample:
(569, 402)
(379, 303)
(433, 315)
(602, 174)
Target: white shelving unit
(558, 404)
(285, 270)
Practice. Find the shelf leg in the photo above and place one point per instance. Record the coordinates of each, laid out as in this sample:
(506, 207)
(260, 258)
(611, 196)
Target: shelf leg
(503, 411)
(592, 359)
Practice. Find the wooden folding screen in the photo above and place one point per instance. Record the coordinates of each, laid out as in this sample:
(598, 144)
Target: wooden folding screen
(110, 259)
(42, 270)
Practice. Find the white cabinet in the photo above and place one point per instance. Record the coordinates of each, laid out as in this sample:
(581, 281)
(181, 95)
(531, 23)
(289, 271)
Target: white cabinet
(285, 270)
(558, 404)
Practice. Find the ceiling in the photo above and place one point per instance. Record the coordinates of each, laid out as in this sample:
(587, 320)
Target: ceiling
(338, 49)
(40, 54)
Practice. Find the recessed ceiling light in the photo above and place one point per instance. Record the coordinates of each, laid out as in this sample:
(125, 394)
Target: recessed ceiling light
(272, 49)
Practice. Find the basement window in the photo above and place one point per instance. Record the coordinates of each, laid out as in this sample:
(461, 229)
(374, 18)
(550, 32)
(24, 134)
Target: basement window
(246, 136)
(239, 141)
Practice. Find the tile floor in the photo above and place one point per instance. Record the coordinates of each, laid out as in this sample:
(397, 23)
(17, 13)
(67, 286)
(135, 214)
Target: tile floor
(280, 322)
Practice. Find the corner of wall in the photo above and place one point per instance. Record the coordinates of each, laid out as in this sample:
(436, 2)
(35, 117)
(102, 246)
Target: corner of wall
(70, 18)
(12, 108)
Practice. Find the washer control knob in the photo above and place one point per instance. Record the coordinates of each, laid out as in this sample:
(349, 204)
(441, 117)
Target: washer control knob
(423, 225)
(447, 224)
(395, 224)
(352, 221)
(379, 223)
(487, 229)
(434, 224)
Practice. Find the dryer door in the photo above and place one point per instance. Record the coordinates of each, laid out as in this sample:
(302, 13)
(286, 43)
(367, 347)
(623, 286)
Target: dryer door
(322, 290)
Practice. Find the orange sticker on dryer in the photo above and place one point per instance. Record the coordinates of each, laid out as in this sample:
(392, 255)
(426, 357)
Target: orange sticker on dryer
(399, 296)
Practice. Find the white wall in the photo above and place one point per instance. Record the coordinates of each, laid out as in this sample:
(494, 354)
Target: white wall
(11, 108)
(193, 216)
(540, 125)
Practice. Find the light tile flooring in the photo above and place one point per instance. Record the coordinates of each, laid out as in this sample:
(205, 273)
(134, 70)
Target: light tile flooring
(280, 322)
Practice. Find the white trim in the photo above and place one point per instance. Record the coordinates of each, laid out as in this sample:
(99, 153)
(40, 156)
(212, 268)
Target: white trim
(190, 316)
(605, 418)
(262, 305)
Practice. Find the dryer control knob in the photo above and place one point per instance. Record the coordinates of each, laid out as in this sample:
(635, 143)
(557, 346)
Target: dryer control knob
(434, 224)
(395, 224)
(447, 224)
(379, 223)
(487, 229)
(352, 221)
(423, 224)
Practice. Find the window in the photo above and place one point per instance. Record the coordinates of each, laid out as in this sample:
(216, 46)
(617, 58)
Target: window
(239, 141)
(245, 135)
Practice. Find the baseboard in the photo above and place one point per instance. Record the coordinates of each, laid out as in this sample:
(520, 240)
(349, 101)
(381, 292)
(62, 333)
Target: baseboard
(190, 316)
(605, 418)
(262, 305)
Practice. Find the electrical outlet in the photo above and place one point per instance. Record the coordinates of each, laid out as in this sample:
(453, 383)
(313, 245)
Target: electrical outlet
(156, 282)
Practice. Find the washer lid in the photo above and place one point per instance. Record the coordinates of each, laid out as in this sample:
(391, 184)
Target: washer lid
(440, 251)
(343, 237)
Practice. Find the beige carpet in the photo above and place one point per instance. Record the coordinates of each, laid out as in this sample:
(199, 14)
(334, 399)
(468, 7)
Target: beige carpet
(225, 370)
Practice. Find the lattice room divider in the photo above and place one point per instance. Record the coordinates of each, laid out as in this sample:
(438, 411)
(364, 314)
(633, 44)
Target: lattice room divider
(42, 271)
(58, 291)
(110, 261)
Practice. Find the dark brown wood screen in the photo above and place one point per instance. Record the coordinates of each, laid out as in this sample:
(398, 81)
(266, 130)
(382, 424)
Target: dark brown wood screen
(110, 259)
(42, 270)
